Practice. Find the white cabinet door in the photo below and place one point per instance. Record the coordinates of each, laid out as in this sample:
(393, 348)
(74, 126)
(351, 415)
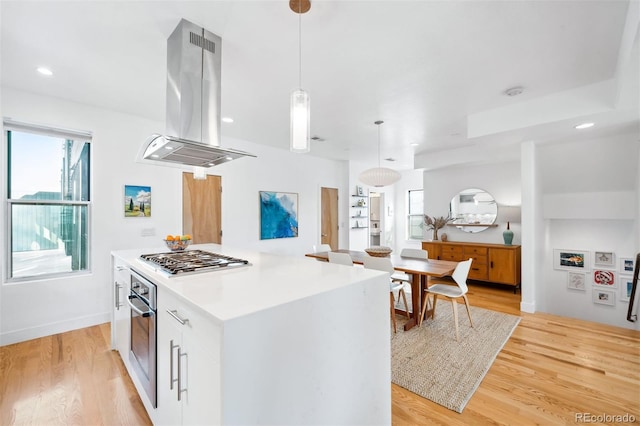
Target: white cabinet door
(121, 324)
(202, 400)
(188, 365)
(169, 410)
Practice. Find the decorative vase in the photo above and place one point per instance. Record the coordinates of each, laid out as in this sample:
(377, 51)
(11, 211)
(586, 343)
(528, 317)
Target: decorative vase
(444, 237)
(507, 235)
(435, 234)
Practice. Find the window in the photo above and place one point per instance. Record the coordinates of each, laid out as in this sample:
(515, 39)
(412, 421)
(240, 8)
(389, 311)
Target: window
(415, 215)
(48, 197)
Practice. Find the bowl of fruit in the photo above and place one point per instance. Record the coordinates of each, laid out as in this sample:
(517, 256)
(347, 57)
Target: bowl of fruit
(177, 242)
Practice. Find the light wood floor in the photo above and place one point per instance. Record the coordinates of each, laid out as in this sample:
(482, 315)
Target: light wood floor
(551, 369)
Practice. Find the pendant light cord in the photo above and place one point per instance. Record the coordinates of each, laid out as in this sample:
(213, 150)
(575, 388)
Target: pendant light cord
(378, 123)
(300, 44)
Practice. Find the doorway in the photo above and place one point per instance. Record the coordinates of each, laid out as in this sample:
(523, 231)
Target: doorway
(376, 224)
(329, 217)
(202, 208)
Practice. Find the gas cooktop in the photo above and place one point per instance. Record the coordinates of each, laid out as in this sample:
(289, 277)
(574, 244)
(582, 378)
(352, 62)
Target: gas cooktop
(191, 261)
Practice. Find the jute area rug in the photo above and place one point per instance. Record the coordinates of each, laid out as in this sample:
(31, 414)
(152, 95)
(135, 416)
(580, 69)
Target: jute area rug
(428, 361)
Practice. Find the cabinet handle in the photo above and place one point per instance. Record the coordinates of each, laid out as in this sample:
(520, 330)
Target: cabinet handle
(491, 263)
(122, 268)
(180, 355)
(171, 379)
(174, 314)
(117, 289)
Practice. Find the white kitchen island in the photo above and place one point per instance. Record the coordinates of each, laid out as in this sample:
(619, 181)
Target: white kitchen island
(286, 340)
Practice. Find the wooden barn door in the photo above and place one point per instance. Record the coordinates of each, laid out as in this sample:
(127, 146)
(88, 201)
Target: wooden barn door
(202, 208)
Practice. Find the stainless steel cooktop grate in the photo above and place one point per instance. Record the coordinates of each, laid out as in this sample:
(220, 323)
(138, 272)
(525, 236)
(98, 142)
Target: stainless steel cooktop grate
(188, 261)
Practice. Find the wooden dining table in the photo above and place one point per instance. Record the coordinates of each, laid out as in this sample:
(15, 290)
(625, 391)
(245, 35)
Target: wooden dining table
(418, 269)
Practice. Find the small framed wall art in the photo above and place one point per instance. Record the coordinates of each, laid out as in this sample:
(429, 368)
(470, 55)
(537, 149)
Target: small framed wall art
(576, 280)
(571, 260)
(627, 265)
(604, 278)
(604, 297)
(137, 201)
(604, 258)
(626, 284)
(278, 215)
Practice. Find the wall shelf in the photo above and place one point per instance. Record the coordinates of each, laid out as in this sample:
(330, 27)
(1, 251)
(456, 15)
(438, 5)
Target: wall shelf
(485, 225)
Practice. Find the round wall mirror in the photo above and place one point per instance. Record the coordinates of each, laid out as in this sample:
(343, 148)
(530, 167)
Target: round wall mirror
(473, 210)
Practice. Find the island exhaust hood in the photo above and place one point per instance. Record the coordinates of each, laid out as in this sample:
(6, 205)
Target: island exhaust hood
(193, 103)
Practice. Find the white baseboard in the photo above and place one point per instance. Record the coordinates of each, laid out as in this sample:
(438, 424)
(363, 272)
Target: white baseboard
(528, 307)
(24, 334)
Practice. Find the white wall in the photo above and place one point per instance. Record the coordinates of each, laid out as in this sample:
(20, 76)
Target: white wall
(590, 203)
(579, 195)
(502, 180)
(38, 308)
(411, 180)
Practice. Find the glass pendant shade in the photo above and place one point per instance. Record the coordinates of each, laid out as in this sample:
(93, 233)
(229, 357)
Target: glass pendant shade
(379, 176)
(300, 117)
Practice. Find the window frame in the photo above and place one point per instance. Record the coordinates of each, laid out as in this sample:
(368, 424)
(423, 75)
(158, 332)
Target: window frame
(411, 215)
(75, 135)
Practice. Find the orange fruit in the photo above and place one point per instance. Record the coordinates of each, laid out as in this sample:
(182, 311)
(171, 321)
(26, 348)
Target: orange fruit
(177, 238)
(169, 238)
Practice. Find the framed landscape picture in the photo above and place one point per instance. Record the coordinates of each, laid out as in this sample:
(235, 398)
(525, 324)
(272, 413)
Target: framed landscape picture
(604, 258)
(278, 215)
(571, 260)
(604, 278)
(626, 284)
(604, 297)
(137, 201)
(576, 280)
(627, 265)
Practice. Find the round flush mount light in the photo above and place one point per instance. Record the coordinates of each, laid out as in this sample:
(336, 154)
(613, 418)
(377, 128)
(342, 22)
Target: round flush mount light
(514, 91)
(584, 126)
(227, 119)
(45, 71)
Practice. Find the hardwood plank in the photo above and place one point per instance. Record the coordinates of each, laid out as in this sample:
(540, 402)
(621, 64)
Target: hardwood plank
(68, 378)
(551, 368)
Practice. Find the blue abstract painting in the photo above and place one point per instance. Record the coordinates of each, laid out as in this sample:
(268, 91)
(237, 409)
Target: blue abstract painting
(278, 215)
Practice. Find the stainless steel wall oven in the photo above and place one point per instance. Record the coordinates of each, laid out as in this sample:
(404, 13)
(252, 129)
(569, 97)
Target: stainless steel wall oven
(143, 304)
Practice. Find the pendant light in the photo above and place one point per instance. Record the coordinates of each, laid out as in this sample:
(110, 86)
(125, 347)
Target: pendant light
(379, 176)
(299, 136)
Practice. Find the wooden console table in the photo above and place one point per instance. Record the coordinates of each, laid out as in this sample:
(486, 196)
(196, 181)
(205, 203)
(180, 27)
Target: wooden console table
(496, 263)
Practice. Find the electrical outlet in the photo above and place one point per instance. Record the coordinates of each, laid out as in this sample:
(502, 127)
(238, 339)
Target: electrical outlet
(148, 232)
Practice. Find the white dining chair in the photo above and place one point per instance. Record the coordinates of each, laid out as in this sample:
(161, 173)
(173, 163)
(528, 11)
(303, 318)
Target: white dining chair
(384, 264)
(340, 258)
(451, 289)
(321, 247)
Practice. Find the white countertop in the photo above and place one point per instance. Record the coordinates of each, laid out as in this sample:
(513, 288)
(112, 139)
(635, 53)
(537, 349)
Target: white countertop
(269, 281)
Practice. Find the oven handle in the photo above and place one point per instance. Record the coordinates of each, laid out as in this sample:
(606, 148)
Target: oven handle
(132, 306)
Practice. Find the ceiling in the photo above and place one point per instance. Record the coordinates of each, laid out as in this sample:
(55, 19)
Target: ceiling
(434, 71)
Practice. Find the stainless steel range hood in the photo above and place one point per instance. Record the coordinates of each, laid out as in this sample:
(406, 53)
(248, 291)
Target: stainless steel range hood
(193, 102)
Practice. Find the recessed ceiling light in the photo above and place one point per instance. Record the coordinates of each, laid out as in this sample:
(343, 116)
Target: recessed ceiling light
(168, 147)
(227, 119)
(414, 144)
(514, 91)
(45, 71)
(584, 126)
